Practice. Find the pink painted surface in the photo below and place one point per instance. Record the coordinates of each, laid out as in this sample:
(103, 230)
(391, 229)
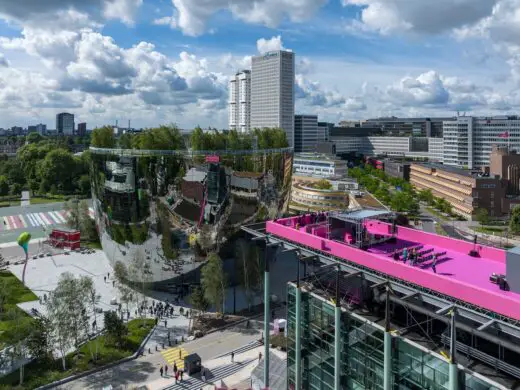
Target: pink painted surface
(460, 275)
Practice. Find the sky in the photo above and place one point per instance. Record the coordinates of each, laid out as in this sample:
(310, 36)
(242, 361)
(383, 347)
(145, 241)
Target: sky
(169, 61)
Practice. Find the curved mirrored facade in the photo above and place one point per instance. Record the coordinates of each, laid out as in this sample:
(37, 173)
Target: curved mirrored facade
(168, 208)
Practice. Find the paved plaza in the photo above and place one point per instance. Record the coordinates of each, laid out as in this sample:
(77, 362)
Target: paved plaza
(42, 276)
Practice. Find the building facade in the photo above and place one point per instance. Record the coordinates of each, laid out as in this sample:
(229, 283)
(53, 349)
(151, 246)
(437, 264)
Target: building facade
(306, 135)
(41, 129)
(465, 191)
(65, 124)
(240, 102)
(82, 129)
(272, 92)
(399, 169)
(408, 127)
(319, 165)
(305, 197)
(468, 141)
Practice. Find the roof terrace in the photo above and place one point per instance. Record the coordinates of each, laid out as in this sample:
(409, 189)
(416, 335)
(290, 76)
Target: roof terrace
(363, 238)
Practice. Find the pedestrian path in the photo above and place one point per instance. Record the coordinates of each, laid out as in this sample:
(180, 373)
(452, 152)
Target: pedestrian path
(245, 348)
(33, 220)
(175, 355)
(214, 375)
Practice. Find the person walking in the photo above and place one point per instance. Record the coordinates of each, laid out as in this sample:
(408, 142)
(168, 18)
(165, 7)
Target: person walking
(174, 368)
(176, 376)
(166, 370)
(161, 370)
(182, 373)
(259, 356)
(434, 263)
(105, 279)
(232, 357)
(405, 254)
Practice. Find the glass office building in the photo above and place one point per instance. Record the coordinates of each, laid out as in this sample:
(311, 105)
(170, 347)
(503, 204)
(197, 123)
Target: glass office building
(413, 365)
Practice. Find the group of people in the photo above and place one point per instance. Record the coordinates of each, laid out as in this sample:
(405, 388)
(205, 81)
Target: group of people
(413, 257)
(177, 374)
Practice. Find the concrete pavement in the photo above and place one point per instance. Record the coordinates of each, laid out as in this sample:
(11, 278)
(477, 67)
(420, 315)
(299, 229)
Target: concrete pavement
(214, 350)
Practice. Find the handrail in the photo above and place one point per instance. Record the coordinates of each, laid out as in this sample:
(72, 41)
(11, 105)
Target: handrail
(184, 152)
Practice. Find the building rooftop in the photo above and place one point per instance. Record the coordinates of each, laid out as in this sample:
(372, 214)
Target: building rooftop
(318, 157)
(459, 275)
(195, 175)
(447, 168)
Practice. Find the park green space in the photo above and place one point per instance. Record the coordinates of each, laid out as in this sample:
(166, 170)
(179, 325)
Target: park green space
(40, 373)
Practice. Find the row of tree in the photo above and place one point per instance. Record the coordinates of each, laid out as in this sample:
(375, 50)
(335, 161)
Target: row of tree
(170, 138)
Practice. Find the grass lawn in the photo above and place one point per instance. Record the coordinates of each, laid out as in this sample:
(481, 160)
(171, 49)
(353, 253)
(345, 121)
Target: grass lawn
(489, 230)
(93, 245)
(38, 374)
(18, 293)
(49, 199)
(7, 203)
(439, 230)
(438, 214)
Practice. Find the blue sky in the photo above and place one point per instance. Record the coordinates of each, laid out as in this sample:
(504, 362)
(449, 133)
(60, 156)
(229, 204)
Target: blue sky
(168, 61)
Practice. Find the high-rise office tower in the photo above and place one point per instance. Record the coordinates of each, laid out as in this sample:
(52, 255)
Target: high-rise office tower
(65, 123)
(240, 102)
(82, 129)
(272, 92)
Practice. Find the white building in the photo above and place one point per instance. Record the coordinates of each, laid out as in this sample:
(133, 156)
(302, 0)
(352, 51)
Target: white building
(319, 165)
(272, 92)
(240, 102)
(41, 129)
(65, 123)
(468, 140)
(306, 135)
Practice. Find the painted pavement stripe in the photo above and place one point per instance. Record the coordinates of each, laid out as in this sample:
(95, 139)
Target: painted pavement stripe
(32, 220)
(64, 215)
(18, 221)
(38, 218)
(59, 216)
(23, 220)
(12, 222)
(15, 223)
(6, 223)
(54, 218)
(45, 219)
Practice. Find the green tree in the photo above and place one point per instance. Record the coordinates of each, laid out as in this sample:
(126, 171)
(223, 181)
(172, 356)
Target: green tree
(84, 185)
(5, 293)
(514, 222)
(214, 282)
(103, 137)
(198, 300)
(482, 216)
(34, 138)
(17, 333)
(160, 138)
(426, 196)
(125, 141)
(126, 294)
(59, 168)
(116, 329)
(322, 184)
(87, 226)
(39, 341)
(4, 186)
(73, 214)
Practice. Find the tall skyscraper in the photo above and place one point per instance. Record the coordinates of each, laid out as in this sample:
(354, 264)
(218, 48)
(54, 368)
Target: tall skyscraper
(41, 129)
(272, 92)
(240, 102)
(65, 124)
(82, 129)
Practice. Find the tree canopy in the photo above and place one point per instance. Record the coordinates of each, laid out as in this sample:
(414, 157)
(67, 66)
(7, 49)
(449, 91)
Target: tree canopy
(103, 137)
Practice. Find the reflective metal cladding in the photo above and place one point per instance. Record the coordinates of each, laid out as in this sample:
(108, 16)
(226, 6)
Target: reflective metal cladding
(166, 209)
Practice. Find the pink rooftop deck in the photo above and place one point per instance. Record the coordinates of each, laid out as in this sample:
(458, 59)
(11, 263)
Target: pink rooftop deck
(458, 275)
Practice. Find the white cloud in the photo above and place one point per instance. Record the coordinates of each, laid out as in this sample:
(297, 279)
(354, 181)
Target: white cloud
(193, 15)
(123, 10)
(166, 21)
(387, 16)
(266, 45)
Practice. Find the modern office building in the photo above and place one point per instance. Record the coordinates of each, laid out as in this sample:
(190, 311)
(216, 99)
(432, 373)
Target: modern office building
(82, 129)
(496, 188)
(306, 134)
(468, 140)
(397, 168)
(319, 165)
(31, 129)
(324, 129)
(369, 319)
(272, 92)
(41, 129)
(65, 124)
(408, 127)
(305, 196)
(240, 102)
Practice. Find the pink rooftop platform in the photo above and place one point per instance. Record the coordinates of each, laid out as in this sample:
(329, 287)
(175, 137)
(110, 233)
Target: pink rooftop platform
(459, 275)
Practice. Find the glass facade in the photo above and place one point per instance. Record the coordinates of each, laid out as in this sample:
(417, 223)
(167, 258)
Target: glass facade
(168, 210)
(362, 354)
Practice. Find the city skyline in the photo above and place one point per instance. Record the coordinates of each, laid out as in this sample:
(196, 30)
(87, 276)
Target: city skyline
(154, 62)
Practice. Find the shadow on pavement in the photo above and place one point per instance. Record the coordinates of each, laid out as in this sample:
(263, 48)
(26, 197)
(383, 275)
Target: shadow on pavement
(138, 372)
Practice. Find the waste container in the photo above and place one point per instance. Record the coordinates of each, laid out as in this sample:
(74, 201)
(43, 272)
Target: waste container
(192, 364)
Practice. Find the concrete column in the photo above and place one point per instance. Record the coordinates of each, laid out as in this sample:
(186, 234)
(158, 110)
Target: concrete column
(387, 354)
(267, 318)
(453, 372)
(298, 357)
(337, 346)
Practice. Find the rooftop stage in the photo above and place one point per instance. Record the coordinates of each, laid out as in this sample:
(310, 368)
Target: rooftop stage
(459, 275)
